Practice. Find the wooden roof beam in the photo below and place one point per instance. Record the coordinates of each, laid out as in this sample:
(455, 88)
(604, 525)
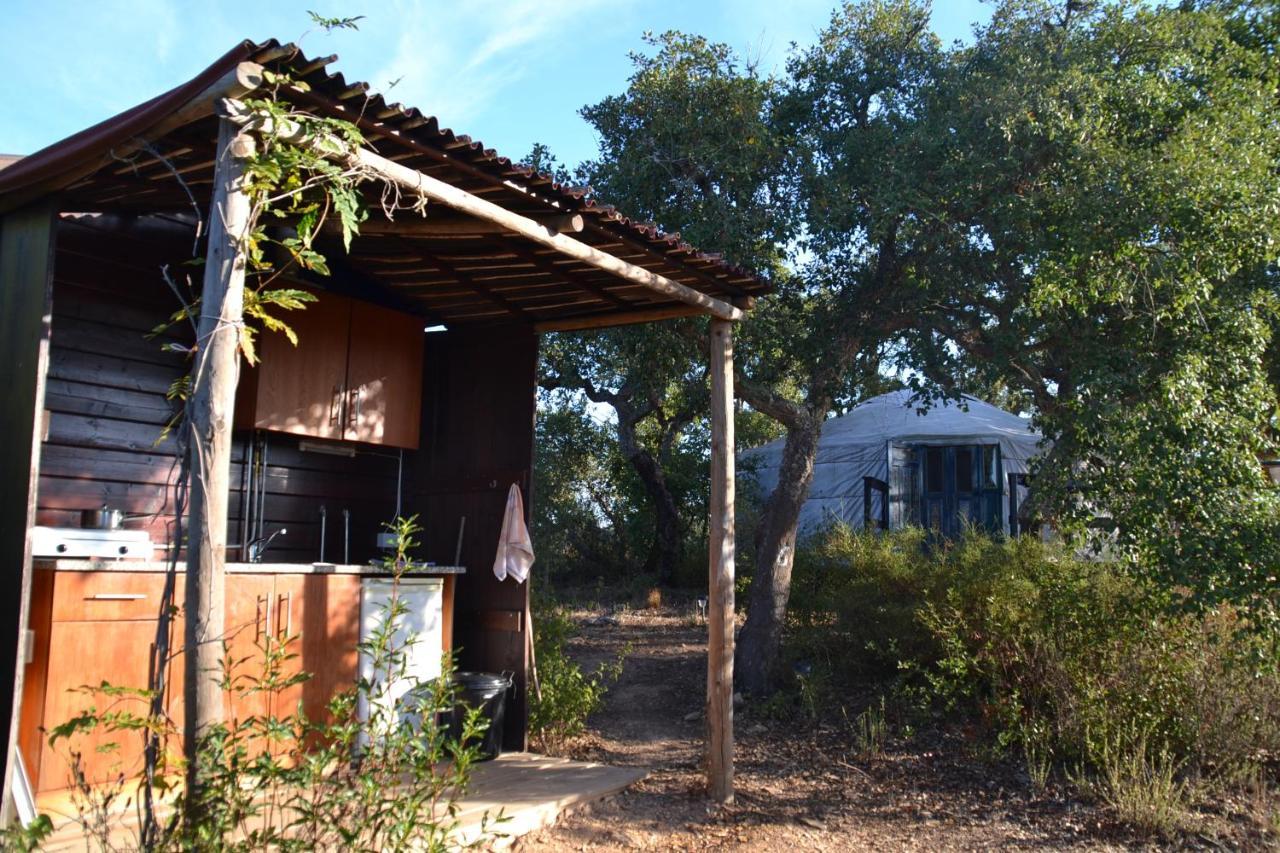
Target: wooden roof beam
(584, 322)
(569, 277)
(467, 281)
(392, 132)
(433, 189)
(450, 225)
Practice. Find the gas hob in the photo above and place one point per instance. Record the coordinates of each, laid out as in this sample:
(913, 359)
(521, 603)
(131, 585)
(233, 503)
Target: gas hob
(96, 544)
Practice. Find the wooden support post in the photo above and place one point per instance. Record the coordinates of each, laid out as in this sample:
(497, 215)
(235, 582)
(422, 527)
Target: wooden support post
(212, 404)
(26, 279)
(720, 607)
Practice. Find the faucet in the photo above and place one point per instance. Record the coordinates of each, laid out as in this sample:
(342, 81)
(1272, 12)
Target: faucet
(259, 546)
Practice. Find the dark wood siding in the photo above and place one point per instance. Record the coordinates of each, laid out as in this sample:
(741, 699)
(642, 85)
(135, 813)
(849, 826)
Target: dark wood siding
(106, 397)
(478, 415)
(26, 241)
(107, 384)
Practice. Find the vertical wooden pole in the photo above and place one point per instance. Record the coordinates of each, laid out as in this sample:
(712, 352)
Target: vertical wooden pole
(720, 609)
(26, 278)
(215, 374)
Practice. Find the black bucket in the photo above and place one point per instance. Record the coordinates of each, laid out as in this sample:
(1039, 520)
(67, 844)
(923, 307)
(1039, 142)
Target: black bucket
(488, 691)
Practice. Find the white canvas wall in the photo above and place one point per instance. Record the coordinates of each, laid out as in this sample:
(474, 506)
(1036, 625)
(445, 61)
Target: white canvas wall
(857, 444)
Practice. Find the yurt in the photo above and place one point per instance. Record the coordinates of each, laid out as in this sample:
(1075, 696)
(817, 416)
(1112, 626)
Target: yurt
(893, 461)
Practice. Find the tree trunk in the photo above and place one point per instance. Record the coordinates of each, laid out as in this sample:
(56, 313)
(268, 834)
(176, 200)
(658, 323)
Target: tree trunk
(761, 637)
(668, 544)
(213, 391)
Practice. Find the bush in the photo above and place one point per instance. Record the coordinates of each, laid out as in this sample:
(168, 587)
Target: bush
(1059, 658)
(566, 695)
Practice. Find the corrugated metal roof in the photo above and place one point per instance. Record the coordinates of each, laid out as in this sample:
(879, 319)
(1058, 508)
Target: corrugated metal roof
(459, 279)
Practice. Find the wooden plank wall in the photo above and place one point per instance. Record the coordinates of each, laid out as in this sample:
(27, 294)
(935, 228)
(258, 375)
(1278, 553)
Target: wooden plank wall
(106, 398)
(107, 405)
(26, 250)
(478, 414)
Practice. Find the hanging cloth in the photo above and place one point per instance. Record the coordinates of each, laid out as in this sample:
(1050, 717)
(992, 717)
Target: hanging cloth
(515, 550)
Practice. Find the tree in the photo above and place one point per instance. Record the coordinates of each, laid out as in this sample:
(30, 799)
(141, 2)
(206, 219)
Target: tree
(1110, 202)
(656, 388)
(686, 146)
(703, 143)
(856, 175)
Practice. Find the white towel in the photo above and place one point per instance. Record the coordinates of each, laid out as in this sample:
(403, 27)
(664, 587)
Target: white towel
(515, 550)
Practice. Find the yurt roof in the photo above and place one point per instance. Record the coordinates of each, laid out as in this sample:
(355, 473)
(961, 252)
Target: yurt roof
(898, 416)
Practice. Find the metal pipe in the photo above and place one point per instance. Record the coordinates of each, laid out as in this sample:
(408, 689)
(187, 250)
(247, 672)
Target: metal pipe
(324, 520)
(399, 480)
(246, 488)
(346, 537)
(262, 490)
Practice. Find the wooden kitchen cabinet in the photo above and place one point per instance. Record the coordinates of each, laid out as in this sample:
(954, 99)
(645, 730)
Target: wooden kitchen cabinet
(301, 389)
(247, 622)
(91, 627)
(316, 616)
(355, 375)
(114, 652)
(329, 613)
(384, 375)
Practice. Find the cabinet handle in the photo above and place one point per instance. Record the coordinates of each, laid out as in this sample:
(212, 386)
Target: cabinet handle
(262, 624)
(353, 410)
(287, 609)
(116, 596)
(335, 405)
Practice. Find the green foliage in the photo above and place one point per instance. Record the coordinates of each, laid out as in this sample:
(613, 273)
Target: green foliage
(568, 694)
(26, 839)
(296, 174)
(638, 492)
(1141, 783)
(1055, 655)
(689, 145)
(1105, 201)
(870, 731)
(329, 24)
(383, 779)
(583, 512)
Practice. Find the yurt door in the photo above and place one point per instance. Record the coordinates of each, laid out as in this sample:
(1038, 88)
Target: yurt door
(961, 485)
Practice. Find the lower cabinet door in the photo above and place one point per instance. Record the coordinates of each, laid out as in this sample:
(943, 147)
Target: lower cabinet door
(249, 621)
(88, 653)
(326, 647)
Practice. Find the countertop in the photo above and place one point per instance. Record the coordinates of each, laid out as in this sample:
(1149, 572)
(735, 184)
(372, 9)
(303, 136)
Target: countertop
(61, 564)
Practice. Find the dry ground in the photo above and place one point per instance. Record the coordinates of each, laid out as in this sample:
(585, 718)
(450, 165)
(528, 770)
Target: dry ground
(800, 786)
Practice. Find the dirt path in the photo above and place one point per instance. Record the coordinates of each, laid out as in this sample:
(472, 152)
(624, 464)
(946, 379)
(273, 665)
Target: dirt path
(799, 787)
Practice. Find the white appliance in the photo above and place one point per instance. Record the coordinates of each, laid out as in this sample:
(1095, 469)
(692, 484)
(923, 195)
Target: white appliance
(85, 543)
(423, 620)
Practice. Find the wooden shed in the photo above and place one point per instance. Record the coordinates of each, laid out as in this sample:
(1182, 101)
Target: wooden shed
(370, 417)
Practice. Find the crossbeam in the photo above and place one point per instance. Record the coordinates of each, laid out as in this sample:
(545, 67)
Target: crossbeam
(433, 189)
(434, 225)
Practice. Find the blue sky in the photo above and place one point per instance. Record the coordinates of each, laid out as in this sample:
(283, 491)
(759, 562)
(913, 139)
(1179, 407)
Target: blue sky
(508, 72)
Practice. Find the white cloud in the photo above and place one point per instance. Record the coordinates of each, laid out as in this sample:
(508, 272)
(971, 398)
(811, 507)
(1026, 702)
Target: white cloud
(453, 61)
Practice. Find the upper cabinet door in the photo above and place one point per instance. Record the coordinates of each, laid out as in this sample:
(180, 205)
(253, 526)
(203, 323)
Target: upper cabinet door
(302, 389)
(384, 376)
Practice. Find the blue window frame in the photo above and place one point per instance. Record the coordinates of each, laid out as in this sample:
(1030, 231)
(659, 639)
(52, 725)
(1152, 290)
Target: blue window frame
(960, 484)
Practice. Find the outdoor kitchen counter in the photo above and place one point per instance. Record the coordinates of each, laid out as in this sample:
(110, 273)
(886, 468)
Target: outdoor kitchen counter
(78, 565)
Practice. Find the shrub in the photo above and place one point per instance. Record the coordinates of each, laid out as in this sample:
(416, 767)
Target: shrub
(1140, 783)
(566, 695)
(1060, 658)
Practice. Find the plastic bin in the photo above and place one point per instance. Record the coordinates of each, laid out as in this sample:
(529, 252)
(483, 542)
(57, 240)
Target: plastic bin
(486, 690)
